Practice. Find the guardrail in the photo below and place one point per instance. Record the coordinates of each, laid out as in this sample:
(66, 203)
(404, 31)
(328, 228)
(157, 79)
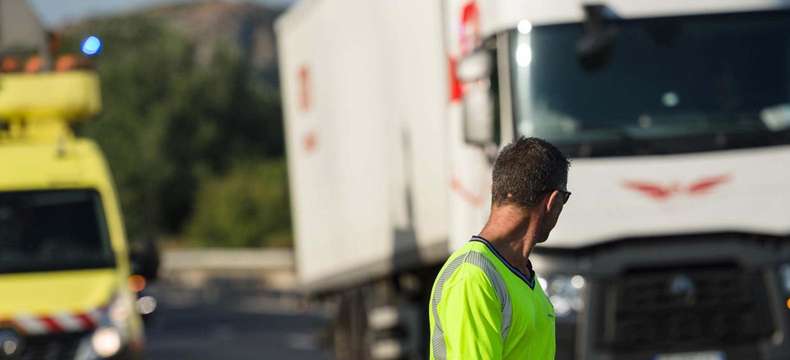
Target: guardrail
(273, 268)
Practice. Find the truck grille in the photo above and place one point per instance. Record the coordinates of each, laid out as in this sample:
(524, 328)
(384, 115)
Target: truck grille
(51, 347)
(685, 308)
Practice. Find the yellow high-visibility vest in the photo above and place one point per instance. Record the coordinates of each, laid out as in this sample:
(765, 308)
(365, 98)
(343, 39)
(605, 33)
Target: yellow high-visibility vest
(483, 308)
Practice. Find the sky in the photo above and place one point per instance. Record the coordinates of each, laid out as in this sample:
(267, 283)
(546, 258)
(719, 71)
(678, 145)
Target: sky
(57, 12)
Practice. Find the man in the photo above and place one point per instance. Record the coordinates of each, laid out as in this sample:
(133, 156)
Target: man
(486, 302)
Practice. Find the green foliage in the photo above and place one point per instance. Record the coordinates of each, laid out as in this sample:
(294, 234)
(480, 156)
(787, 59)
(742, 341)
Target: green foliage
(247, 207)
(169, 124)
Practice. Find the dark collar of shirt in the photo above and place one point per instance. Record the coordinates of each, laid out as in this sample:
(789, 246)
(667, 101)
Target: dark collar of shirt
(528, 278)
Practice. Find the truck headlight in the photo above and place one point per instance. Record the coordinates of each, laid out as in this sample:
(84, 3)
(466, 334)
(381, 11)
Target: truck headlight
(564, 292)
(106, 341)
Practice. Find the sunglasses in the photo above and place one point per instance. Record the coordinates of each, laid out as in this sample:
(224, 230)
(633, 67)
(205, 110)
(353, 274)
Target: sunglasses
(565, 195)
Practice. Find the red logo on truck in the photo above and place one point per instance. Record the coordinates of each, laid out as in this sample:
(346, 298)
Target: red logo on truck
(468, 40)
(664, 191)
(470, 28)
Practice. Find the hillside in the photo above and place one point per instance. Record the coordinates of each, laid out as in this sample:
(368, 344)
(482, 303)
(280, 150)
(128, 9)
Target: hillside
(244, 27)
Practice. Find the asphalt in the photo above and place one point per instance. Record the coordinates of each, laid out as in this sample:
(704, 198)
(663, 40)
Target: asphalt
(233, 320)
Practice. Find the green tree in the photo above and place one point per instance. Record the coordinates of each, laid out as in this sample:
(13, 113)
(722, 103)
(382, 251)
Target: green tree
(170, 126)
(247, 207)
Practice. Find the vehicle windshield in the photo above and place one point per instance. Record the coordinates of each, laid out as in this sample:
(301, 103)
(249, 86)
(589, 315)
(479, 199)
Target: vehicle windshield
(53, 230)
(661, 85)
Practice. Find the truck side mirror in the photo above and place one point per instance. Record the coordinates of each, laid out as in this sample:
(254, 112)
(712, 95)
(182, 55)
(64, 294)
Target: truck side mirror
(474, 72)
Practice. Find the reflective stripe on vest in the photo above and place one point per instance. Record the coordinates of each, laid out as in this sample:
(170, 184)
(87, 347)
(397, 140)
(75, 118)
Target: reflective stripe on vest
(479, 260)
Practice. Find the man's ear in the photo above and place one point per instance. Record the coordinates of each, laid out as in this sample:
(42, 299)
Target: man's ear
(552, 201)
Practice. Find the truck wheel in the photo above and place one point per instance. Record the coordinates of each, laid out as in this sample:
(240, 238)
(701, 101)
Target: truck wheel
(349, 333)
(397, 319)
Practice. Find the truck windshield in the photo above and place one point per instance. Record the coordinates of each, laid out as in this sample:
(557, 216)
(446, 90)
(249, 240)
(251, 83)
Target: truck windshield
(53, 230)
(660, 85)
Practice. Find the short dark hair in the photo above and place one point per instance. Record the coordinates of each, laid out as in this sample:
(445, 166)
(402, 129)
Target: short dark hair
(527, 169)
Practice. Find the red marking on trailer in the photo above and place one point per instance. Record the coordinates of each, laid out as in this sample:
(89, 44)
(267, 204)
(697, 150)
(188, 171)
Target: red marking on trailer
(309, 141)
(468, 196)
(304, 88)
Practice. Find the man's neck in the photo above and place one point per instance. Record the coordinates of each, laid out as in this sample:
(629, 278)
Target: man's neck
(512, 234)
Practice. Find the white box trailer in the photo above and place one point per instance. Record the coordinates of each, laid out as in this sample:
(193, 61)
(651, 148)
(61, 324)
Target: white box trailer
(366, 135)
(676, 115)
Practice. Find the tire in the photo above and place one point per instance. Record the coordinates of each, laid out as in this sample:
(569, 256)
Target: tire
(349, 333)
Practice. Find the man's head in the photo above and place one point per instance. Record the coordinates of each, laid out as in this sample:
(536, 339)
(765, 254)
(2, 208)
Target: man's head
(532, 175)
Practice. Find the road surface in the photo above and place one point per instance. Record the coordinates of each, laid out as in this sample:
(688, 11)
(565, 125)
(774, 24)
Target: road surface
(232, 320)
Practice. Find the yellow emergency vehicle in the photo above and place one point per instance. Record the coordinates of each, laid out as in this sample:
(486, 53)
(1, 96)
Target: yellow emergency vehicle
(64, 264)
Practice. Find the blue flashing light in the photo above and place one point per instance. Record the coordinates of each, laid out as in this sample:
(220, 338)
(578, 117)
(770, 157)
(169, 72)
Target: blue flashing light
(91, 45)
